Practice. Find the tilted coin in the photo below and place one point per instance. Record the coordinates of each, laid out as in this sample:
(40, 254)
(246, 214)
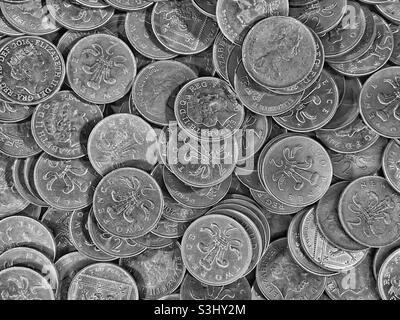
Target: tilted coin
(208, 7)
(355, 165)
(152, 241)
(369, 211)
(170, 229)
(355, 284)
(388, 278)
(58, 223)
(122, 140)
(221, 50)
(175, 296)
(79, 234)
(31, 17)
(65, 184)
(269, 202)
(192, 197)
(128, 203)
(202, 163)
(347, 34)
(391, 165)
(235, 19)
(204, 253)
(315, 109)
(67, 267)
(101, 68)
(16, 140)
(280, 278)
(20, 184)
(12, 112)
(352, 138)
(381, 254)
(71, 15)
(32, 70)
(376, 56)
(176, 212)
(129, 5)
(20, 283)
(11, 201)
(29, 180)
(253, 231)
(327, 218)
(110, 244)
(198, 34)
(268, 41)
(193, 289)
(379, 102)
(156, 87)
(321, 16)
(158, 272)
(297, 251)
(139, 31)
(260, 100)
(103, 281)
(20, 231)
(93, 3)
(32, 259)
(209, 106)
(61, 125)
(321, 251)
(349, 108)
(297, 170)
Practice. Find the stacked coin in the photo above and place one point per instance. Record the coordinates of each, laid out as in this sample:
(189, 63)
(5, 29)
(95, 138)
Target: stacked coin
(199, 149)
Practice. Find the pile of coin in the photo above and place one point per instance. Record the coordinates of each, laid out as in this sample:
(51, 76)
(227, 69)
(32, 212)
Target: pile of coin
(199, 149)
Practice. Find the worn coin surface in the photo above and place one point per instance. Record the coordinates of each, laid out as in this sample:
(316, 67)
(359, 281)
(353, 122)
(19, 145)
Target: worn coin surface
(79, 234)
(216, 250)
(235, 18)
(193, 289)
(155, 89)
(369, 210)
(20, 231)
(32, 70)
(140, 34)
(71, 15)
(279, 52)
(31, 17)
(65, 184)
(388, 278)
(101, 68)
(11, 201)
(58, 223)
(17, 141)
(297, 170)
(12, 112)
(327, 218)
(192, 197)
(316, 108)
(61, 125)
(355, 284)
(352, 138)
(20, 283)
(379, 102)
(103, 281)
(128, 203)
(68, 266)
(32, 259)
(158, 272)
(280, 278)
(321, 251)
(352, 166)
(122, 140)
(208, 106)
(197, 35)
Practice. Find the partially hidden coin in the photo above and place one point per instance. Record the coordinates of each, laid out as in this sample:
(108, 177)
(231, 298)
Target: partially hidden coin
(388, 278)
(12, 112)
